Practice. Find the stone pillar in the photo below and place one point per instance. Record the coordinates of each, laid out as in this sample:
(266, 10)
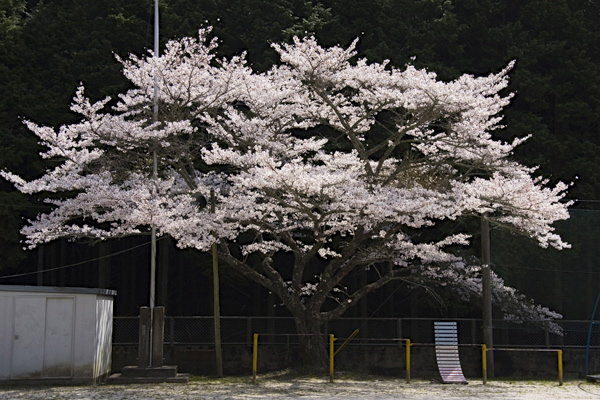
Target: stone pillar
(158, 336)
(144, 338)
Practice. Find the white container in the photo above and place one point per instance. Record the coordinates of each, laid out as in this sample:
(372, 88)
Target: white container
(55, 335)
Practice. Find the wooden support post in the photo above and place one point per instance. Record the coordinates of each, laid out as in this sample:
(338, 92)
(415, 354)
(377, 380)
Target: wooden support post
(486, 281)
(216, 296)
(331, 356)
(144, 338)
(158, 336)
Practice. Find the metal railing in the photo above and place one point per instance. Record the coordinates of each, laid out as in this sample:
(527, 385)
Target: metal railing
(372, 331)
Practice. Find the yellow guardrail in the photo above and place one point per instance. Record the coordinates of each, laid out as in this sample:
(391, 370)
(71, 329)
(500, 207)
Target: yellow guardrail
(408, 344)
(485, 349)
(352, 335)
(332, 353)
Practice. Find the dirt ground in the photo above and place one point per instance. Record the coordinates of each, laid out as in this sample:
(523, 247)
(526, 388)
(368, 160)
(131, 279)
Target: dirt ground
(312, 388)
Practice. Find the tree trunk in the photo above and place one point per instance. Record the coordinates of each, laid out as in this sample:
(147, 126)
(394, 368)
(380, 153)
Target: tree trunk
(313, 353)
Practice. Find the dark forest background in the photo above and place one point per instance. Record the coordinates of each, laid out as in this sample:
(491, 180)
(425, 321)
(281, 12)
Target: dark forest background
(48, 47)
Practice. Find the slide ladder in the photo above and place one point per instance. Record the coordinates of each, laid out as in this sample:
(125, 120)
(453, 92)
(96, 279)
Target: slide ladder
(446, 352)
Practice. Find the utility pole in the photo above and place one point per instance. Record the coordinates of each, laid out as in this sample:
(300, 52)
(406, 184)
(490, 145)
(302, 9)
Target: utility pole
(154, 330)
(150, 364)
(486, 281)
(216, 297)
(154, 167)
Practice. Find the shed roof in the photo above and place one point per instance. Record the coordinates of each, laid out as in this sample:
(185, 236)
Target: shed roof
(57, 289)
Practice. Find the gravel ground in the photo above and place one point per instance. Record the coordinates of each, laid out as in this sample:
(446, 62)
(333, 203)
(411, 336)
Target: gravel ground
(313, 388)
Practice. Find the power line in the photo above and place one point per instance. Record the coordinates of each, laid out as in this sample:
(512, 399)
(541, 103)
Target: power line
(78, 263)
(8, 205)
(506, 268)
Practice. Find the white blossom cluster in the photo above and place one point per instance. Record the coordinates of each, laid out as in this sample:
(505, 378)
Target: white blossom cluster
(465, 278)
(323, 157)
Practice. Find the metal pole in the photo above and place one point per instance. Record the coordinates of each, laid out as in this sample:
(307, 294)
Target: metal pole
(407, 355)
(154, 176)
(254, 357)
(488, 335)
(153, 249)
(352, 336)
(560, 368)
(484, 363)
(156, 54)
(154, 166)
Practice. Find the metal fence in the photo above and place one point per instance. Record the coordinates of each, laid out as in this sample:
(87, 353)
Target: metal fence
(372, 331)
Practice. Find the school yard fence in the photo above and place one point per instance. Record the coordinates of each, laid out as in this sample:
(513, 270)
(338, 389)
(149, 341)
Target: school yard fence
(199, 330)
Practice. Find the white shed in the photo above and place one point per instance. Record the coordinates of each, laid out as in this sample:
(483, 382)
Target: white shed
(55, 335)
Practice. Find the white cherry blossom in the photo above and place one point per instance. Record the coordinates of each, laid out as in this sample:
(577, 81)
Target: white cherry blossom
(324, 162)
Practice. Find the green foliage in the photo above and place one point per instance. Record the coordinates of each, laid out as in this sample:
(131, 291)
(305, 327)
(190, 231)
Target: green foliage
(11, 12)
(556, 78)
(46, 51)
(70, 41)
(244, 25)
(16, 146)
(48, 47)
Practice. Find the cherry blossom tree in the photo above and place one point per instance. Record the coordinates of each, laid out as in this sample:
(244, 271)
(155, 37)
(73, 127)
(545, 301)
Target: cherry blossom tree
(322, 166)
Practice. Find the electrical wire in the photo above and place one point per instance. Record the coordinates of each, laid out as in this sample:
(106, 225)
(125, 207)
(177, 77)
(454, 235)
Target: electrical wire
(506, 268)
(21, 206)
(80, 262)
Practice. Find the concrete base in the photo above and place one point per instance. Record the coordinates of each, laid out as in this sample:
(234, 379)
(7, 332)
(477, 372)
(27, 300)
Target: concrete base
(165, 374)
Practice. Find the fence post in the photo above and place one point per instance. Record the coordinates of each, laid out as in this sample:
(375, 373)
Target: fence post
(560, 368)
(254, 357)
(484, 363)
(407, 353)
(331, 356)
